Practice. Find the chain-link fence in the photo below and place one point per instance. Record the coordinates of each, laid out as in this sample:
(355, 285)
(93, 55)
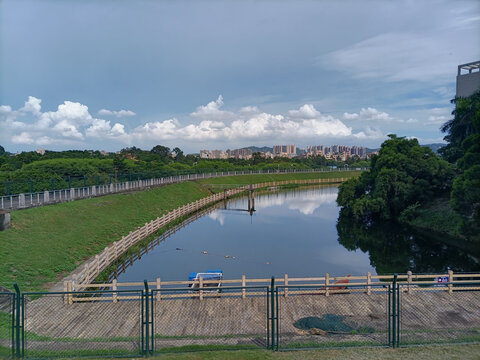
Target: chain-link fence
(439, 314)
(7, 326)
(96, 323)
(332, 316)
(136, 323)
(191, 319)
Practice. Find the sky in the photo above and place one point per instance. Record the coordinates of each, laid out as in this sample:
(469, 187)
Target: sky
(218, 74)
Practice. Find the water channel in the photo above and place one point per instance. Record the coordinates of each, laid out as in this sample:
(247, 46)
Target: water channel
(297, 232)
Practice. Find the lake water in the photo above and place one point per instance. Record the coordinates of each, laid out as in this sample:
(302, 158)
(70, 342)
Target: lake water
(290, 232)
(297, 232)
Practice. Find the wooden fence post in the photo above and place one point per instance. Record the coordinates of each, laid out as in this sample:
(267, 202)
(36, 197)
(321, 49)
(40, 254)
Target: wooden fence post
(159, 284)
(200, 286)
(244, 283)
(327, 282)
(450, 280)
(369, 282)
(409, 282)
(114, 288)
(69, 289)
(285, 282)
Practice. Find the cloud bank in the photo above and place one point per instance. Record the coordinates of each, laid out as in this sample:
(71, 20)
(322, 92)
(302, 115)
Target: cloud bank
(72, 123)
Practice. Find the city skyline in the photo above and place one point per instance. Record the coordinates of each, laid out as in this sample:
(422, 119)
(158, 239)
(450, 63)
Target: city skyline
(209, 74)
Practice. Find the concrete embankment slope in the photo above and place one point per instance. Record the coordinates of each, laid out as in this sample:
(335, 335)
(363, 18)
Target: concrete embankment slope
(45, 244)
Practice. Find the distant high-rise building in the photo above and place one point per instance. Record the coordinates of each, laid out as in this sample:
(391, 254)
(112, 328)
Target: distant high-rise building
(285, 150)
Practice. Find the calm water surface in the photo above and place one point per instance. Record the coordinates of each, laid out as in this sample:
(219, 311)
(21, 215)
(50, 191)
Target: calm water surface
(290, 232)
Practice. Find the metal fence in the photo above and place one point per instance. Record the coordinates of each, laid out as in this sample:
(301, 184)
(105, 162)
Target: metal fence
(52, 328)
(224, 320)
(7, 326)
(143, 322)
(431, 315)
(333, 316)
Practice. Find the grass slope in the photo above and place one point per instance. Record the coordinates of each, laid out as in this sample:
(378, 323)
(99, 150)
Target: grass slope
(46, 243)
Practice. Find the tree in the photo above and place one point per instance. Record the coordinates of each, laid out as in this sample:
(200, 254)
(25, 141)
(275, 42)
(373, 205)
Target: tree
(178, 154)
(162, 151)
(402, 175)
(463, 135)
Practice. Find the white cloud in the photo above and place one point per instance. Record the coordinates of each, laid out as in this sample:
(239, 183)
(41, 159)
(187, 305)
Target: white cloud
(72, 123)
(121, 113)
(23, 138)
(438, 116)
(5, 109)
(307, 111)
(374, 114)
(212, 111)
(368, 114)
(349, 116)
(32, 105)
(101, 128)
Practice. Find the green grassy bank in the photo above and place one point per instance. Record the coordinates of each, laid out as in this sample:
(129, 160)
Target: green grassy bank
(46, 243)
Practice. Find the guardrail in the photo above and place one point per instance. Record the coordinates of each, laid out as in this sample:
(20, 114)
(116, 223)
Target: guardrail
(47, 197)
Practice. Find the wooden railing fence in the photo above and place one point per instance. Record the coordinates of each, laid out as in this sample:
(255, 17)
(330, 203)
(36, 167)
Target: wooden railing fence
(323, 285)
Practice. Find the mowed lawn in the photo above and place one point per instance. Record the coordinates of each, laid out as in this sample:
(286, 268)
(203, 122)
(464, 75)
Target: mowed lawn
(47, 243)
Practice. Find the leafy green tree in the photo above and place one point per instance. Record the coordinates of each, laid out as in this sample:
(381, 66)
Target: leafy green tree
(402, 175)
(461, 126)
(178, 154)
(463, 135)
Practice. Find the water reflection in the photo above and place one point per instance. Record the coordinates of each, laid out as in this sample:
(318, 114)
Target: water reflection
(393, 248)
(290, 232)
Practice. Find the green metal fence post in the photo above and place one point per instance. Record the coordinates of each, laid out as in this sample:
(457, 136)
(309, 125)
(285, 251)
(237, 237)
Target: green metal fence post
(268, 318)
(398, 316)
(394, 312)
(272, 307)
(389, 315)
(17, 321)
(146, 322)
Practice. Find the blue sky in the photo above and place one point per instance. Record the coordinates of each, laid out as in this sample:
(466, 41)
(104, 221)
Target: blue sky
(224, 74)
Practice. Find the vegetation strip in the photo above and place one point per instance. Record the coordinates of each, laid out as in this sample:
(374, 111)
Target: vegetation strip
(45, 244)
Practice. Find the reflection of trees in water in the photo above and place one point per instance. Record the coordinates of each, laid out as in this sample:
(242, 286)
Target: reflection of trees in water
(395, 248)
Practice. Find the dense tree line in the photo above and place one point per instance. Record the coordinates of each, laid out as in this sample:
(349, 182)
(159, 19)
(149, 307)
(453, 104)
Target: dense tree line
(31, 171)
(404, 176)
